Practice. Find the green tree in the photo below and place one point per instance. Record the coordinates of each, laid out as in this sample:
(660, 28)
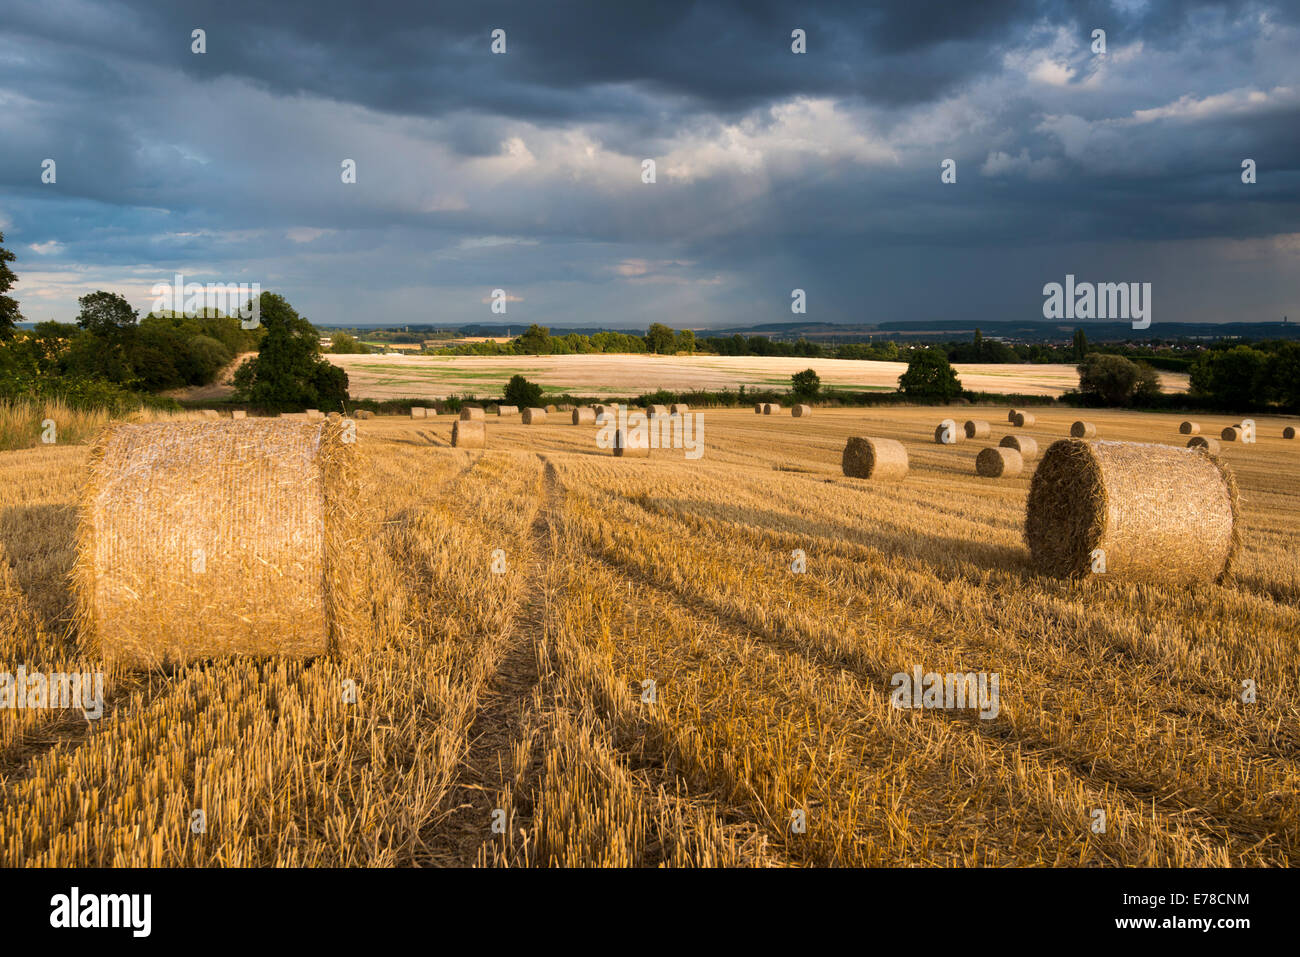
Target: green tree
(343, 344)
(288, 370)
(1282, 374)
(536, 341)
(519, 391)
(686, 341)
(1112, 380)
(1079, 348)
(659, 338)
(106, 314)
(929, 377)
(9, 314)
(1235, 378)
(805, 385)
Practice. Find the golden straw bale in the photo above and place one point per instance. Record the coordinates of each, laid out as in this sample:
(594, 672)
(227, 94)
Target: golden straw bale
(534, 416)
(363, 414)
(199, 540)
(418, 412)
(1189, 428)
(1203, 442)
(977, 429)
(1011, 416)
(1288, 432)
(633, 444)
(771, 407)
(1083, 430)
(679, 408)
(758, 407)
(947, 432)
(874, 458)
(315, 414)
(1231, 434)
(999, 461)
(799, 411)
(657, 410)
(239, 414)
(1027, 447)
(211, 414)
(472, 413)
(469, 434)
(584, 415)
(1143, 512)
(1023, 419)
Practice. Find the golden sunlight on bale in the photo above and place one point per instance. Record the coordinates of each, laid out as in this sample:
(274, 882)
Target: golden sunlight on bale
(472, 413)
(1203, 442)
(947, 432)
(1231, 434)
(534, 416)
(1023, 419)
(466, 434)
(1141, 512)
(679, 408)
(584, 415)
(977, 429)
(1083, 430)
(997, 462)
(631, 445)
(363, 414)
(551, 408)
(657, 410)
(315, 415)
(771, 407)
(211, 414)
(239, 414)
(201, 540)
(417, 412)
(1011, 416)
(758, 407)
(1027, 447)
(1189, 428)
(799, 411)
(874, 458)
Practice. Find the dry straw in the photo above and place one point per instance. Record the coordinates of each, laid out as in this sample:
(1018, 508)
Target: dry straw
(239, 414)
(947, 433)
(534, 416)
(363, 414)
(758, 407)
(1231, 433)
(1023, 419)
(1203, 442)
(799, 411)
(996, 462)
(977, 429)
(199, 540)
(211, 414)
(679, 408)
(466, 434)
(472, 413)
(315, 414)
(657, 410)
(417, 412)
(874, 458)
(551, 408)
(1011, 416)
(584, 415)
(1152, 513)
(1189, 428)
(1288, 432)
(634, 446)
(770, 407)
(1083, 430)
(1027, 447)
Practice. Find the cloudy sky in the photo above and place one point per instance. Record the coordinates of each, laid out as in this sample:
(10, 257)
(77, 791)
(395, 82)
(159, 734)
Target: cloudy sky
(774, 170)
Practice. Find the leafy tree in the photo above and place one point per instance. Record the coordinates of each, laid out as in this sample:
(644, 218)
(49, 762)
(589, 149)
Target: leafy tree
(1282, 374)
(1079, 348)
(685, 341)
(106, 314)
(1113, 380)
(659, 338)
(806, 384)
(1235, 378)
(929, 377)
(9, 314)
(344, 344)
(521, 392)
(288, 369)
(536, 341)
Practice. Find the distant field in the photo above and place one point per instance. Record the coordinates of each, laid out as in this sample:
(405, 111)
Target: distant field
(394, 377)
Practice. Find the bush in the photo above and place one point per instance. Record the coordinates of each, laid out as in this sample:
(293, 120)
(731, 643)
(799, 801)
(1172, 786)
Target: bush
(805, 385)
(930, 377)
(519, 391)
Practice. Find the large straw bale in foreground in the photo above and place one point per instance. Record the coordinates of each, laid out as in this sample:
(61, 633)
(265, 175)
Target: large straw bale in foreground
(469, 435)
(534, 416)
(1157, 513)
(1027, 447)
(655, 411)
(874, 458)
(584, 415)
(1189, 428)
(998, 462)
(205, 539)
(977, 429)
(1083, 430)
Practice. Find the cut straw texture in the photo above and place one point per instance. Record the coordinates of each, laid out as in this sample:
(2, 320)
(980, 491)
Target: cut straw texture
(1083, 430)
(466, 434)
(534, 416)
(874, 458)
(634, 445)
(1027, 447)
(584, 415)
(977, 429)
(999, 461)
(199, 540)
(1023, 419)
(507, 410)
(1189, 428)
(472, 413)
(1151, 513)
(799, 411)
(1203, 442)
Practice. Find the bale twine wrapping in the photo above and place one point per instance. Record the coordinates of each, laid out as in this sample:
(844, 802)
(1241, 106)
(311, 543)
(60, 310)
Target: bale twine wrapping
(635, 445)
(977, 429)
(1023, 419)
(469, 434)
(1157, 513)
(534, 416)
(874, 458)
(1288, 432)
(507, 410)
(1189, 428)
(1231, 433)
(1203, 442)
(206, 539)
(1027, 447)
(947, 433)
(799, 411)
(1083, 430)
(679, 408)
(995, 462)
(472, 413)
(239, 414)
(417, 411)
(584, 415)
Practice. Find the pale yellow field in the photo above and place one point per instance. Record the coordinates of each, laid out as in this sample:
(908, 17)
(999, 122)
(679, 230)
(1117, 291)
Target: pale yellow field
(431, 377)
(523, 691)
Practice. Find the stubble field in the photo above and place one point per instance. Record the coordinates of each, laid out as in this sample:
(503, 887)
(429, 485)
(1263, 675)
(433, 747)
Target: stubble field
(520, 699)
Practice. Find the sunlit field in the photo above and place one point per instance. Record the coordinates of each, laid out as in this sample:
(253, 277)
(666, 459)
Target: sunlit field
(578, 659)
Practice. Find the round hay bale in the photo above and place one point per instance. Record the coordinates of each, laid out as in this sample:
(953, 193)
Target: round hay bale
(657, 410)
(469, 434)
(472, 413)
(947, 433)
(638, 448)
(199, 540)
(874, 458)
(679, 408)
(1027, 447)
(1189, 428)
(1203, 442)
(1288, 432)
(210, 414)
(551, 408)
(758, 407)
(977, 429)
(363, 414)
(1083, 430)
(239, 414)
(493, 409)
(418, 411)
(534, 416)
(1231, 434)
(1023, 419)
(1011, 415)
(799, 411)
(995, 462)
(315, 414)
(507, 410)
(584, 415)
(770, 407)
(1156, 512)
